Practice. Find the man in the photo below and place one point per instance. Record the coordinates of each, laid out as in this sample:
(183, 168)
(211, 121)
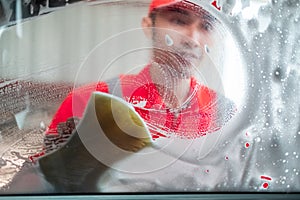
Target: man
(165, 93)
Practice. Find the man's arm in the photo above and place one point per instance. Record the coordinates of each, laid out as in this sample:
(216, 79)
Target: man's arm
(74, 105)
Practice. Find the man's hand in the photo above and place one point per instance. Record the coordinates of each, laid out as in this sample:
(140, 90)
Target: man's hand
(121, 125)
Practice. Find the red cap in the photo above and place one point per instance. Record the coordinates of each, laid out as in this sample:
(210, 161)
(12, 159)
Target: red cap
(161, 3)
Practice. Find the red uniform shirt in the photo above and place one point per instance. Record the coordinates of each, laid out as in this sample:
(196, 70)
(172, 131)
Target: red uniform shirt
(193, 119)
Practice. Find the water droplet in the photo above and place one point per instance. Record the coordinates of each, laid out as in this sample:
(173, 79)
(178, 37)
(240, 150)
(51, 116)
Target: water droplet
(42, 125)
(258, 139)
(169, 40)
(286, 154)
(206, 48)
(266, 177)
(279, 110)
(247, 145)
(265, 185)
(286, 171)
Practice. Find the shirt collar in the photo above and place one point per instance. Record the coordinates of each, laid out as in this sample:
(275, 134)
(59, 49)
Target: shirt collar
(140, 89)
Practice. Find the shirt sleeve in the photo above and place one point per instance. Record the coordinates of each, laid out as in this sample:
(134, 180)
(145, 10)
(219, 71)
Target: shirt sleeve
(74, 104)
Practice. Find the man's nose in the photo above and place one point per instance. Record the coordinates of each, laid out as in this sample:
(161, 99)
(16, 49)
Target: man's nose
(192, 36)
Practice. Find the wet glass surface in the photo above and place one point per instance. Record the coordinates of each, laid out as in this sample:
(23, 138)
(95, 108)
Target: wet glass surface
(246, 64)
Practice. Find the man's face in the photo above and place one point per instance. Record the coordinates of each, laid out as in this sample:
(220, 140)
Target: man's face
(179, 36)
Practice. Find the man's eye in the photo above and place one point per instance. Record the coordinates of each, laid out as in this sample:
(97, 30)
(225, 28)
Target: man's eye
(178, 21)
(206, 26)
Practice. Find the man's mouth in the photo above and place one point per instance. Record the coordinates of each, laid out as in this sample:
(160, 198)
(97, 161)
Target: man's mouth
(189, 55)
